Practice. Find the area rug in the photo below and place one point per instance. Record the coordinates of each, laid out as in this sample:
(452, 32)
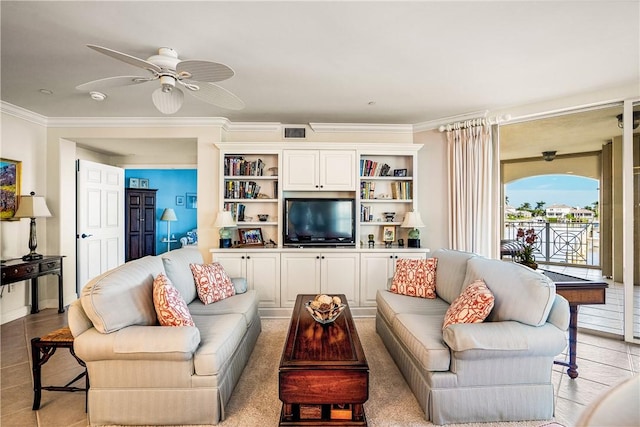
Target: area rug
(255, 402)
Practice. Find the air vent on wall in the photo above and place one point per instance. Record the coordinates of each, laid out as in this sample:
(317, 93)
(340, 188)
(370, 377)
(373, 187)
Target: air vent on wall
(295, 132)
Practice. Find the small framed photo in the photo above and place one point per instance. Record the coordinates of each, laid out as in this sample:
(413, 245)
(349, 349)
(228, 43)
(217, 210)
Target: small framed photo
(144, 183)
(134, 183)
(179, 200)
(389, 233)
(250, 236)
(192, 201)
(399, 172)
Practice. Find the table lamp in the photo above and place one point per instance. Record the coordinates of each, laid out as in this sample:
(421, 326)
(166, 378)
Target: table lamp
(412, 220)
(168, 215)
(225, 222)
(33, 207)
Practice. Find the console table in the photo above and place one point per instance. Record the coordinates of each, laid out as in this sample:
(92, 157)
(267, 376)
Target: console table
(16, 270)
(577, 291)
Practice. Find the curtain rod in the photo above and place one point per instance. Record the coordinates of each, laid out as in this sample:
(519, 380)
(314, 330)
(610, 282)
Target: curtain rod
(479, 121)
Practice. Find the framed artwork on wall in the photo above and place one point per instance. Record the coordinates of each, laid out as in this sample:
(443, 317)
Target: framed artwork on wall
(179, 200)
(10, 177)
(134, 183)
(250, 236)
(144, 183)
(192, 201)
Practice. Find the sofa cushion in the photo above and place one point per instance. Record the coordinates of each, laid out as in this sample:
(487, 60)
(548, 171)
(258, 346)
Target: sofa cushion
(452, 267)
(239, 284)
(390, 304)
(415, 277)
(212, 282)
(520, 293)
(422, 336)
(122, 296)
(473, 305)
(245, 304)
(176, 264)
(220, 335)
(170, 306)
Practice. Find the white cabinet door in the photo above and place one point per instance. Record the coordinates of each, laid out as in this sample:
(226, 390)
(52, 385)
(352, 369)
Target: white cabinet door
(234, 263)
(337, 170)
(300, 170)
(263, 275)
(376, 269)
(340, 274)
(300, 274)
(261, 271)
(319, 170)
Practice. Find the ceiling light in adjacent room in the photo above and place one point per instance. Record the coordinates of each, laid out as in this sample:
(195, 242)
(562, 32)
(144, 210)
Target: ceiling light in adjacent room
(636, 120)
(548, 155)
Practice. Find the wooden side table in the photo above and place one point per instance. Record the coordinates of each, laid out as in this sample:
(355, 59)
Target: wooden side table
(17, 270)
(42, 348)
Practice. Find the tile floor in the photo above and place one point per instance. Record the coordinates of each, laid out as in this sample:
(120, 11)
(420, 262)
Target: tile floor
(604, 360)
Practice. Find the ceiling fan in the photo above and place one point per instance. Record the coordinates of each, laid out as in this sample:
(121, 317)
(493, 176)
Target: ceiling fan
(196, 76)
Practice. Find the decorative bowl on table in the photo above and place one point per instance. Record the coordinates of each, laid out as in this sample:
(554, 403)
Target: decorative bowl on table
(325, 309)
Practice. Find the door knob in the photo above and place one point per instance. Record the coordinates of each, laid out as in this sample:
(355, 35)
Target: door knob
(84, 236)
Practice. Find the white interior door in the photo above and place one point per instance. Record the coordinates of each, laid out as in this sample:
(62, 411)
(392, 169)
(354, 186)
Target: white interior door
(100, 220)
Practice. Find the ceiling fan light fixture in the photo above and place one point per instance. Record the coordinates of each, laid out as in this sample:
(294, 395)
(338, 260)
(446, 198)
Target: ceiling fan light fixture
(636, 120)
(167, 102)
(97, 96)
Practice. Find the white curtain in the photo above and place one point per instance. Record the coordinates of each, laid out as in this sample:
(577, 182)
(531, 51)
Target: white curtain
(473, 174)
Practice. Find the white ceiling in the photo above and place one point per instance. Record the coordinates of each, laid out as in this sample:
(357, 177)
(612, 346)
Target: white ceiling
(301, 62)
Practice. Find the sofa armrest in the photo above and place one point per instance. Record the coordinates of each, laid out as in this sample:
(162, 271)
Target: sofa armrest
(504, 338)
(138, 343)
(559, 314)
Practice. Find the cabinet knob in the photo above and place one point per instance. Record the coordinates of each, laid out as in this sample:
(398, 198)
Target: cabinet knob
(248, 257)
(322, 257)
(242, 257)
(390, 256)
(317, 256)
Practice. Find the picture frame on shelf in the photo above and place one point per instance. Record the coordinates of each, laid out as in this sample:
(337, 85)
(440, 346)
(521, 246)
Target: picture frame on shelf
(389, 233)
(11, 178)
(144, 183)
(191, 201)
(399, 172)
(179, 200)
(250, 236)
(134, 183)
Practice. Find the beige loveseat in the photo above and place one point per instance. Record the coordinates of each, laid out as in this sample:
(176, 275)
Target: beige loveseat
(497, 370)
(144, 374)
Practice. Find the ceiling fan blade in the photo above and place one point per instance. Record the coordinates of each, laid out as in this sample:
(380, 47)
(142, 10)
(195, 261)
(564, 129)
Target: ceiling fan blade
(132, 60)
(204, 71)
(167, 102)
(110, 82)
(216, 95)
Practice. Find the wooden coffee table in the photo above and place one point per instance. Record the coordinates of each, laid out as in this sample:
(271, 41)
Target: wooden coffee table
(324, 375)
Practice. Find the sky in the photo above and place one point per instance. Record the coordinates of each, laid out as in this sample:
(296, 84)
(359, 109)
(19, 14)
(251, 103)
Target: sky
(575, 191)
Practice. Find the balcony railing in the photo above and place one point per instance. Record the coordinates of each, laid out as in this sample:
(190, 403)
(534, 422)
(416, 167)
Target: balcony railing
(562, 243)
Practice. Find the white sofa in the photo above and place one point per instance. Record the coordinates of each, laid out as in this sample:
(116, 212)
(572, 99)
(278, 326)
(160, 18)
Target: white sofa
(144, 374)
(497, 370)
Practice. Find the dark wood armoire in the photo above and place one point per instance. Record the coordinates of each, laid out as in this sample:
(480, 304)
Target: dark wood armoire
(140, 223)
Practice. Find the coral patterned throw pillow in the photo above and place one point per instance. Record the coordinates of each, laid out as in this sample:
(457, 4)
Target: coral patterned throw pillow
(212, 282)
(415, 277)
(169, 304)
(473, 305)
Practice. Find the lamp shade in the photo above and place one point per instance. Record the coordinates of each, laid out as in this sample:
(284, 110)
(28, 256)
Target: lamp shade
(224, 220)
(32, 206)
(168, 215)
(412, 220)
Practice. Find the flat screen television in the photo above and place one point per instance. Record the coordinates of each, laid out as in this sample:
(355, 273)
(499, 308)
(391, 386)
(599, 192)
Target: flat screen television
(319, 222)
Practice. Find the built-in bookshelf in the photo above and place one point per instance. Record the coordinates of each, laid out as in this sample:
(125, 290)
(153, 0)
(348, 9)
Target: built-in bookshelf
(387, 187)
(250, 189)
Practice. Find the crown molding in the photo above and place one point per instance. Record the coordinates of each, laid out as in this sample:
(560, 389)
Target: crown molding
(252, 127)
(112, 122)
(361, 127)
(21, 113)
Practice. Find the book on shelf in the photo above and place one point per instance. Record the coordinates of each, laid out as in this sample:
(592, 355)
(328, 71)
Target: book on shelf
(401, 190)
(373, 168)
(239, 166)
(241, 189)
(236, 209)
(367, 190)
